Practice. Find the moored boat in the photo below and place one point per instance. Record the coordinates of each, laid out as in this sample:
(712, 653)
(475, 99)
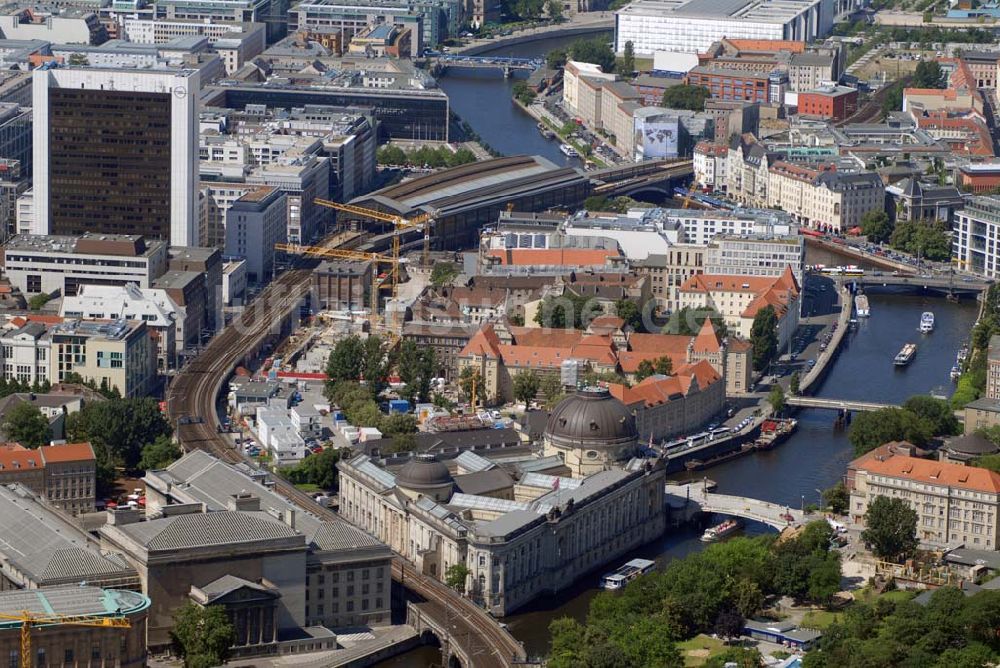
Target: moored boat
(774, 432)
(956, 373)
(861, 305)
(568, 151)
(625, 573)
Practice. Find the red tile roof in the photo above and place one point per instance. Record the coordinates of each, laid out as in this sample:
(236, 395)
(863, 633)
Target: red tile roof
(14, 457)
(657, 390)
(936, 472)
(67, 452)
(706, 341)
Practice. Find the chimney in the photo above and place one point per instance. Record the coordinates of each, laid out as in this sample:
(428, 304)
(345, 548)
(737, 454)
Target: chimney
(290, 517)
(245, 501)
(123, 516)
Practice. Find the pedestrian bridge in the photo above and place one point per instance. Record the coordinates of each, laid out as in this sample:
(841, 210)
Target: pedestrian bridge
(503, 63)
(835, 404)
(775, 515)
(948, 283)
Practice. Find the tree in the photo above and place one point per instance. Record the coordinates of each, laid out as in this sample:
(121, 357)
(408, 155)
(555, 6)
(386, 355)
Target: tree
(522, 92)
(890, 528)
(119, 429)
(443, 273)
(416, 365)
(456, 575)
(398, 423)
(26, 425)
(344, 362)
(468, 380)
(319, 470)
(526, 386)
(202, 636)
(552, 389)
(629, 311)
(375, 364)
(38, 301)
(837, 499)
(628, 60)
(664, 365)
(729, 624)
(929, 75)
(776, 397)
(159, 454)
(78, 59)
(554, 9)
(403, 443)
(686, 96)
(596, 51)
(873, 428)
(793, 383)
(555, 59)
(567, 643)
(764, 337)
(937, 414)
(929, 240)
(644, 370)
(875, 225)
(991, 462)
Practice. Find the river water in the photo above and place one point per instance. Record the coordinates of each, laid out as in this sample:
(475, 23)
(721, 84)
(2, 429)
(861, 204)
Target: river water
(815, 457)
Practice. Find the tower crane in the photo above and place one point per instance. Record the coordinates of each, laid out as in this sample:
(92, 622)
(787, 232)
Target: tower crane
(351, 256)
(30, 619)
(421, 221)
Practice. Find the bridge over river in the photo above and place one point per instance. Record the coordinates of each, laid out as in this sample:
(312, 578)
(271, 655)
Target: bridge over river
(835, 404)
(775, 515)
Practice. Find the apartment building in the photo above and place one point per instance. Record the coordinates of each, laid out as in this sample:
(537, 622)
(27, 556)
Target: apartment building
(739, 298)
(254, 224)
(709, 162)
(581, 88)
(236, 43)
(976, 236)
(303, 179)
(747, 170)
(728, 84)
(759, 255)
(45, 263)
(955, 504)
(832, 103)
(62, 474)
(823, 198)
(993, 368)
(154, 307)
(810, 70)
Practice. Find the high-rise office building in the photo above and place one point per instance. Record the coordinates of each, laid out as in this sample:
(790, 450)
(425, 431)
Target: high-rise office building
(116, 152)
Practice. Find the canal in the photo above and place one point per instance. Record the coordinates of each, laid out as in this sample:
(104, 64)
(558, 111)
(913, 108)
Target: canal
(815, 457)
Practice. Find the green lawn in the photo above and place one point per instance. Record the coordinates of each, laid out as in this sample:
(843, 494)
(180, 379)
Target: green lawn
(700, 649)
(819, 619)
(894, 595)
(308, 488)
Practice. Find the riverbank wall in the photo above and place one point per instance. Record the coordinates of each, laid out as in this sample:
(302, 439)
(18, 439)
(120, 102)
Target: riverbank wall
(540, 34)
(815, 377)
(853, 253)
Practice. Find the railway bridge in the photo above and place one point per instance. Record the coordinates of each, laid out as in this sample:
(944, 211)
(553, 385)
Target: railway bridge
(473, 637)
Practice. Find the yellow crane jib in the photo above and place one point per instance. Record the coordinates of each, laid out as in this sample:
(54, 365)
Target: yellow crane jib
(30, 619)
(401, 223)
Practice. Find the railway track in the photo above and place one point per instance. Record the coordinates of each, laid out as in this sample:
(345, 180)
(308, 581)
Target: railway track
(191, 408)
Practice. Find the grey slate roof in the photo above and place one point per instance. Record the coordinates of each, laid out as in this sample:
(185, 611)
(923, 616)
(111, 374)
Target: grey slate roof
(48, 548)
(228, 527)
(229, 583)
(482, 482)
(199, 476)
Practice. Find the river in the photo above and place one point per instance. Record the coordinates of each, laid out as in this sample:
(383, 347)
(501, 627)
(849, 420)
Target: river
(815, 457)
(483, 99)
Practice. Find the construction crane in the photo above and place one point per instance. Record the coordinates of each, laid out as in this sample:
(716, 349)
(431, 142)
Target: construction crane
(351, 256)
(420, 221)
(690, 195)
(30, 619)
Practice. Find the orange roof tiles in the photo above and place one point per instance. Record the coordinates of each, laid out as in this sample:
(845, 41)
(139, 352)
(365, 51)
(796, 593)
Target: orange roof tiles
(67, 452)
(935, 472)
(657, 390)
(564, 257)
(19, 459)
(768, 45)
(949, 94)
(706, 341)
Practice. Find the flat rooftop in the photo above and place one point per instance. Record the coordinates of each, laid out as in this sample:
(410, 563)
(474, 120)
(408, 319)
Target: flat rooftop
(753, 11)
(76, 600)
(88, 244)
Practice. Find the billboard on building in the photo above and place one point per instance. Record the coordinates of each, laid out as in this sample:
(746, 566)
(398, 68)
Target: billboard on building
(656, 137)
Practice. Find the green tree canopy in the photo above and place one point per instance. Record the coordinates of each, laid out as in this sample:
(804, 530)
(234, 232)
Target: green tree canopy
(25, 424)
(319, 470)
(929, 240)
(871, 429)
(793, 383)
(555, 58)
(526, 385)
(688, 322)
(629, 311)
(626, 66)
(875, 225)
(119, 429)
(837, 498)
(776, 397)
(203, 637)
(417, 366)
(937, 414)
(596, 51)
(644, 370)
(686, 96)
(764, 337)
(456, 575)
(890, 528)
(929, 75)
(159, 454)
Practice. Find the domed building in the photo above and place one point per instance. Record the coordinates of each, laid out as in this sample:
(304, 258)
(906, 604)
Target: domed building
(425, 476)
(964, 449)
(592, 431)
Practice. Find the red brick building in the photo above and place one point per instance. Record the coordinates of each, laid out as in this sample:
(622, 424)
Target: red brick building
(726, 84)
(980, 177)
(833, 103)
